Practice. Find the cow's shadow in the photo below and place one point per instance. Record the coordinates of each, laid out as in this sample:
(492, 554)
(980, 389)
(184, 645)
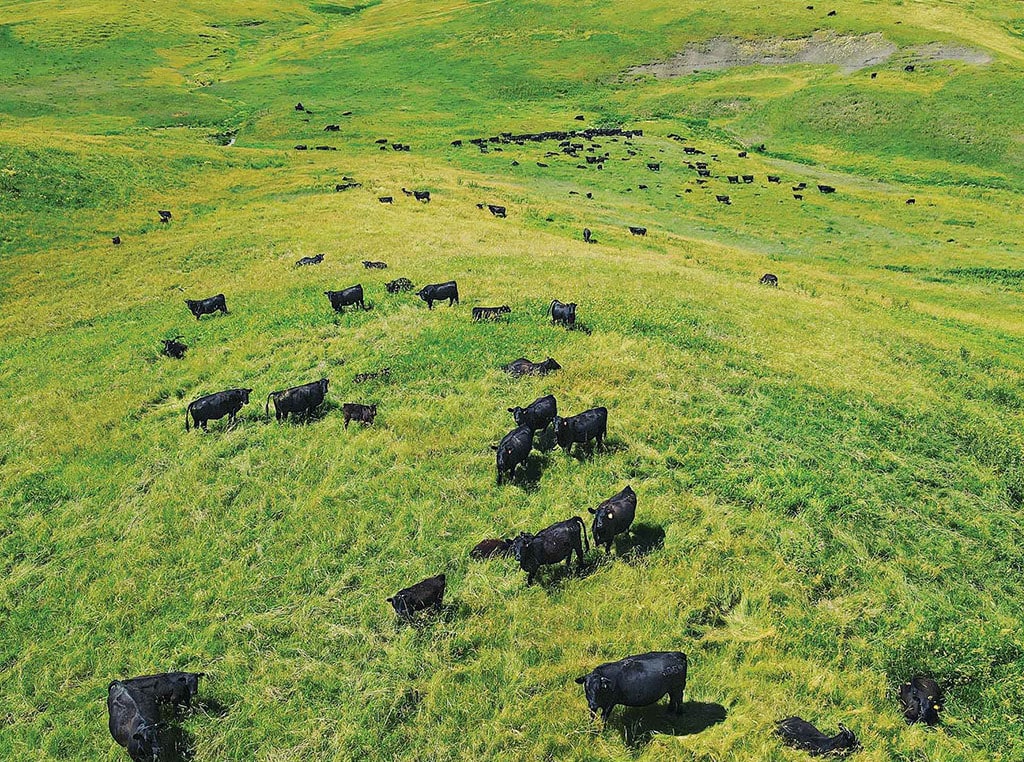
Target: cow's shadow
(589, 451)
(527, 475)
(544, 441)
(642, 540)
(553, 576)
(176, 743)
(638, 725)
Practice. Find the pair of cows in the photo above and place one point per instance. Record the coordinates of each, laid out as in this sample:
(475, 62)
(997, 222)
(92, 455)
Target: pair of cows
(515, 447)
(436, 292)
(296, 401)
(134, 709)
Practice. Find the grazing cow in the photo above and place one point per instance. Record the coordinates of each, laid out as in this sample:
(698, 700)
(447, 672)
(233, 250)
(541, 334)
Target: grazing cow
(515, 163)
(587, 236)
(345, 186)
(165, 216)
(375, 265)
(748, 179)
(381, 141)
(742, 154)
(549, 546)
(541, 164)
(490, 313)
(590, 424)
(703, 173)
(364, 414)
(613, 517)
(208, 306)
(346, 297)
(116, 240)
(642, 187)
(800, 186)
(800, 734)
(921, 699)
(637, 231)
(360, 378)
(299, 107)
(798, 196)
(299, 399)
(399, 284)
(332, 128)
(774, 179)
(491, 548)
(769, 279)
(733, 179)
(386, 199)
(497, 211)
(874, 75)
(562, 313)
(639, 680)
(911, 201)
(174, 688)
(174, 348)
(538, 415)
(215, 406)
(301, 147)
(456, 143)
(579, 117)
(723, 200)
(513, 449)
(428, 594)
(908, 67)
(654, 166)
(590, 195)
(523, 367)
(310, 260)
(438, 292)
(132, 720)
(826, 189)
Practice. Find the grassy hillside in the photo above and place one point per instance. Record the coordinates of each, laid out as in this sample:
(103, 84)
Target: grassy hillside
(830, 475)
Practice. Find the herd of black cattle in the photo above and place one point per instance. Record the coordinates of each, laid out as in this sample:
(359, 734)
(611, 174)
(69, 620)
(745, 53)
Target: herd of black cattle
(135, 706)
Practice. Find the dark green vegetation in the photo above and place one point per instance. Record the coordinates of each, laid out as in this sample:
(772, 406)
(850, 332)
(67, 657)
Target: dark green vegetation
(836, 465)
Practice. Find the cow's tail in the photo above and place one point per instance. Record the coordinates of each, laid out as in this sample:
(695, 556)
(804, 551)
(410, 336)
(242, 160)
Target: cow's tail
(583, 528)
(187, 411)
(551, 307)
(266, 408)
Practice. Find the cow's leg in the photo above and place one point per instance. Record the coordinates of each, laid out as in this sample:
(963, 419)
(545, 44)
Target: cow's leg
(675, 700)
(529, 577)
(346, 421)
(430, 304)
(203, 424)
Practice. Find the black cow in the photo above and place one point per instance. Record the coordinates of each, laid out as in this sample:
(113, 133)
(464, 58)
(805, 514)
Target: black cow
(774, 179)
(174, 688)
(116, 240)
(299, 107)
(800, 186)
(456, 143)
(523, 367)
(346, 186)
(332, 128)
(386, 199)
(208, 306)
(639, 680)
(165, 215)
(497, 211)
(874, 75)
(428, 594)
(367, 264)
(551, 545)
(911, 201)
(301, 147)
(590, 424)
(353, 411)
(748, 178)
(132, 720)
(399, 284)
(654, 166)
(723, 200)
(798, 196)
(538, 415)
(587, 235)
(742, 154)
(492, 313)
(562, 313)
(438, 292)
(491, 548)
(637, 231)
(801, 734)
(346, 297)
(613, 517)
(908, 67)
(733, 179)
(513, 449)
(310, 260)
(826, 189)
(215, 406)
(298, 399)
(174, 348)
(423, 196)
(769, 279)
(921, 699)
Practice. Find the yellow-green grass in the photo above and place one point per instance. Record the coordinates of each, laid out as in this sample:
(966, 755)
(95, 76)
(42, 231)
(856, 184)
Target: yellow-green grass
(836, 465)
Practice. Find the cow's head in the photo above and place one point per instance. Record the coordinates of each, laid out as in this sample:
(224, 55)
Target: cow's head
(517, 415)
(520, 546)
(245, 395)
(144, 744)
(323, 386)
(550, 364)
(598, 690)
(191, 303)
(400, 604)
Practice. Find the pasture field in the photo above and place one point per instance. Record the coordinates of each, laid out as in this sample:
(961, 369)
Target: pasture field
(830, 474)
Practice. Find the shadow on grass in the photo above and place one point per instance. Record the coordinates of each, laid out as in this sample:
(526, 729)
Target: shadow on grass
(590, 450)
(642, 540)
(638, 725)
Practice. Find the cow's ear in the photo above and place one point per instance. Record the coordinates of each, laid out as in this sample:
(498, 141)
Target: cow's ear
(512, 410)
(390, 600)
(580, 680)
(592, 510)
(494, 447)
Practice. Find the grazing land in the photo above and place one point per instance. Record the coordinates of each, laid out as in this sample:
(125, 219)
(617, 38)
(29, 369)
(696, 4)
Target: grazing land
(830, 473)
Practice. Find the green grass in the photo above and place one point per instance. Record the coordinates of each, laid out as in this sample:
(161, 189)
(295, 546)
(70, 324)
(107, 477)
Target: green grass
(836, 465)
